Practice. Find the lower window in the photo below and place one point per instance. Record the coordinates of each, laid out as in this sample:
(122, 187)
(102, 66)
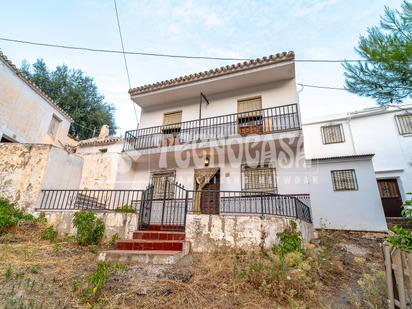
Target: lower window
(258, 179)
(344, 180)
(159, 184)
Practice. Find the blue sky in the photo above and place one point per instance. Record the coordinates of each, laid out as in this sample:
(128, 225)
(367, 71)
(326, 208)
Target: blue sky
(327, 29)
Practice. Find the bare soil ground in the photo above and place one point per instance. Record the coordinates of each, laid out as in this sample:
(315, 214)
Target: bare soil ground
(341, 270)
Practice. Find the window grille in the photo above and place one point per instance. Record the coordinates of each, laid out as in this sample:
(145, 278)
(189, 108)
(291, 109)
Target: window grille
(404, 124)
(158, 182)
(258, 179)
(332, 134)
(344, 180)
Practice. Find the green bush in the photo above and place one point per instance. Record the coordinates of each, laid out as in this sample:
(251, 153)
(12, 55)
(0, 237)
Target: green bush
(290, 240)
(402, 238)
(49, 233)
(125, 209)
(10, 215)
(95, 281)
(90, 230)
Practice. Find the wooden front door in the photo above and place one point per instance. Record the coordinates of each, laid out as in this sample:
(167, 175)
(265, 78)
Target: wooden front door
(391, 198)
(209, 202)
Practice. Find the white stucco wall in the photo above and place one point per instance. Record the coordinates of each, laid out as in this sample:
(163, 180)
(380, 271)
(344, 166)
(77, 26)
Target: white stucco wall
(348, 210)
(24, 115)
(274, 94)
(375, 133)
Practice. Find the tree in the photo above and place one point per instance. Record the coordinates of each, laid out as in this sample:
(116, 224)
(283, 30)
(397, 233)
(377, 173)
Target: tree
(76, 94)
(386, 75)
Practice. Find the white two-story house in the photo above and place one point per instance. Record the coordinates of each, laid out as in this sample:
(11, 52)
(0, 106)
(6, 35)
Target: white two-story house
(383, 131)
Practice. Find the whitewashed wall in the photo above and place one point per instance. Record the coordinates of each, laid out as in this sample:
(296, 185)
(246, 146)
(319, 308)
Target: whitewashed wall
(274, 94)
(24, 115)
(375, 133)
(347, 210)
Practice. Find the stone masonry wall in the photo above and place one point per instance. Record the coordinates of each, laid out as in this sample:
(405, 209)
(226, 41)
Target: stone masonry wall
(22, 169)
(122, 224)
(207, 232)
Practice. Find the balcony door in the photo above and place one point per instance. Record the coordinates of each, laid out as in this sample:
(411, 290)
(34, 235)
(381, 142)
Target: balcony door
(171, 128)
(250, 120)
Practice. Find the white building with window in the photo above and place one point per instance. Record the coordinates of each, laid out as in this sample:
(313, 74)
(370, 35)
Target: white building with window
(27, 115)
(385, 132)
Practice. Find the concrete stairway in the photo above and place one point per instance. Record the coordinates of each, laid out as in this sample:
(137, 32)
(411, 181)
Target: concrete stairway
(149, 247)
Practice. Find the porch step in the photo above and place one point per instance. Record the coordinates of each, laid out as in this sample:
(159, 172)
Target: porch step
(399, 221)
(149, 244)
(154, 257)
(158, 235)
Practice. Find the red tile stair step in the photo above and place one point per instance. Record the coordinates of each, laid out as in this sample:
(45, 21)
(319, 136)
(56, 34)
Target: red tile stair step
(153, 240)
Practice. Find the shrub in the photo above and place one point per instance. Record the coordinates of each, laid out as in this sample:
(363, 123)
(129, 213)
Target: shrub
(125, 209)
(49, 233)
(113, 239)
(90, 230)
(402, 238)
(95, 281)
(290, 240)
(10, 215)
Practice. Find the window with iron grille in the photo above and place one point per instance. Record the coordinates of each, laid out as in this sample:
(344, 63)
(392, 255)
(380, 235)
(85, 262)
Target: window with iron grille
(159, 186)
(344, 180)
(249, 110)
(404, 124)
(332, 134)
(258, 179)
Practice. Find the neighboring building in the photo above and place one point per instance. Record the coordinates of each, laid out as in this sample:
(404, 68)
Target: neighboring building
(385, 132)
(27, 114)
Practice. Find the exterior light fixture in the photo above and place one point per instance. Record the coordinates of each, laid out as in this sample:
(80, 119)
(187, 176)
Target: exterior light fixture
(207, 160)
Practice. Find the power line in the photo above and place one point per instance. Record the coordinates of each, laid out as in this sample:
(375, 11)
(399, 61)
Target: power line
(124, 58)
(89, 49)
(321, 87)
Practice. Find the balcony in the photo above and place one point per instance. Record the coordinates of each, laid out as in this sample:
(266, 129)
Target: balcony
(263, 121)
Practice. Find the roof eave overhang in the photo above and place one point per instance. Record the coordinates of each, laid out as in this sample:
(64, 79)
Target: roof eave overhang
(264, 74)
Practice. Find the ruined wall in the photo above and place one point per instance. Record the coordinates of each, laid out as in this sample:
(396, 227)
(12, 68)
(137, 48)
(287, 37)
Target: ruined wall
(22, 168)
(207, 232)
(26, 169)
(122, 224)
(99, 171)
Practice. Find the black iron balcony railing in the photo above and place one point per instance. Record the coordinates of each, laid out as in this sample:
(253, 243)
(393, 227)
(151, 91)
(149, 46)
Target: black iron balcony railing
(263, 121)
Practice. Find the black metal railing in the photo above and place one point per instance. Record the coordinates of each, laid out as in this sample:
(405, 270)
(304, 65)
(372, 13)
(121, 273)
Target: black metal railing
(96, 200)
(249, 203)
(263, 121)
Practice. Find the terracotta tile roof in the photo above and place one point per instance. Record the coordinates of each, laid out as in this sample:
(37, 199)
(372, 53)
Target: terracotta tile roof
(229, 69)
(99, 141)
(32, 85)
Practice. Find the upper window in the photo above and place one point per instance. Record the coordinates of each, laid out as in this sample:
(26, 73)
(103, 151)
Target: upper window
(171, 122)
(404, 124)
(162, 181)
(344, 180)
(332, 134)
(54, 126)
(248, 105)
(258, 179)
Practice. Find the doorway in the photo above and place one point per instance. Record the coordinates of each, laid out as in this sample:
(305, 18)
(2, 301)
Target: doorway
(207, 181)
(391, 197)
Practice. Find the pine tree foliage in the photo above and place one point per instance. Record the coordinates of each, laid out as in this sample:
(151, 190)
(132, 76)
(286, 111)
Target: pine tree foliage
(386, 76)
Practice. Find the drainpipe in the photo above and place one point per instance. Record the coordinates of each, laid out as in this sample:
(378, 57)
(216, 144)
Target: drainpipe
(351, 134)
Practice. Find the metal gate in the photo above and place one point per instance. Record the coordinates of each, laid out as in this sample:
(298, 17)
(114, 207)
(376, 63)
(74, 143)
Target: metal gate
(146, 208)
(164, 207)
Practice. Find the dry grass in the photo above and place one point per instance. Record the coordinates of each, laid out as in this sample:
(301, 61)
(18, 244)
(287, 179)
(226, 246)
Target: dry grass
(327, 276)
